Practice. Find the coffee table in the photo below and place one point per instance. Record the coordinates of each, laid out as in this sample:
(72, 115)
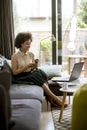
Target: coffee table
(70, 89)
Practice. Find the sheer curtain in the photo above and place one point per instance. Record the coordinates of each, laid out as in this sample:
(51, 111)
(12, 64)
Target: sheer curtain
(6, 28)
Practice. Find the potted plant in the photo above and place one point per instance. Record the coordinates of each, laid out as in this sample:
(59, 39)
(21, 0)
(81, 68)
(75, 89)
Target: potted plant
(46, 50)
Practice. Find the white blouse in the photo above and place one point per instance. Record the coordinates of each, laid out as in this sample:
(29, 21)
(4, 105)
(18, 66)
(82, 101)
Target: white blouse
(24, 59)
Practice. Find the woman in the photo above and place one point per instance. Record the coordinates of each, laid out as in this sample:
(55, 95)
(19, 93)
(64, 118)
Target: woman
(24, 67)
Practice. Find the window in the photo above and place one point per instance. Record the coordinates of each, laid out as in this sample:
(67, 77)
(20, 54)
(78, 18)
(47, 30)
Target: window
(36, 16)
(33, 16)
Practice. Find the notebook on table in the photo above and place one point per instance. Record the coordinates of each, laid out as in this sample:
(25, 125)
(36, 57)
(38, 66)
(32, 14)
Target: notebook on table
(75, 74)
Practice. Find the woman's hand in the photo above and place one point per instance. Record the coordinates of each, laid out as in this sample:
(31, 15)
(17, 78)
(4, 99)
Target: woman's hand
(32, 65)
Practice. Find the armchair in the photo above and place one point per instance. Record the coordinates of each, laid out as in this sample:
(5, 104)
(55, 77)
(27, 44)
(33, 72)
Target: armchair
(5, 102)
(3, 109)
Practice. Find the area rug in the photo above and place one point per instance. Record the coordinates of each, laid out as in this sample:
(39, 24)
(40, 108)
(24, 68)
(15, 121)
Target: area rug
(66, 118)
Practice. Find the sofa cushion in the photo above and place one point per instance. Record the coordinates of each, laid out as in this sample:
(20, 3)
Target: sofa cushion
(24, 91)
(26, 114)
(51, 70)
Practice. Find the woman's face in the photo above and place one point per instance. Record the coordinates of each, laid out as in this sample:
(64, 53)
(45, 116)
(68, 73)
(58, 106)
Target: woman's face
(26, 45)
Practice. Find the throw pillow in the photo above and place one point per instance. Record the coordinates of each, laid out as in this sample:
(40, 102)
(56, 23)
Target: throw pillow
(8, 62)
(7, 67)
(51, 70)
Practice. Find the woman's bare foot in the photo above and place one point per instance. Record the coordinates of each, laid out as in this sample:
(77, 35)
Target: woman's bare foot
(59, 102)
(55, 102)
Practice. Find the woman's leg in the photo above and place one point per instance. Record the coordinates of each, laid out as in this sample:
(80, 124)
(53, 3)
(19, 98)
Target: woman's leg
(39, 77)
(51, 95)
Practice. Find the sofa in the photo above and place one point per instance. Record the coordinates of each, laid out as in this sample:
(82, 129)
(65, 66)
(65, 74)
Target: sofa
(26, 100)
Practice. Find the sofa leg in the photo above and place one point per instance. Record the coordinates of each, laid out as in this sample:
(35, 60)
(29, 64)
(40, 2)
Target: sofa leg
(46, 101)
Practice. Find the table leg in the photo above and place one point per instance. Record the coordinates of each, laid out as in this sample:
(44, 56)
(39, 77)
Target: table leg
(61, 111)
(69, 65)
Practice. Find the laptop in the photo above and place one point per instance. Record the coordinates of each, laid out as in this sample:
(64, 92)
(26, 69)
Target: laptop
(75, 74)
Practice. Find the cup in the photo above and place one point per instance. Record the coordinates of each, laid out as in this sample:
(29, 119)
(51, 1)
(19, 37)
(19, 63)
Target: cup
(65, 86)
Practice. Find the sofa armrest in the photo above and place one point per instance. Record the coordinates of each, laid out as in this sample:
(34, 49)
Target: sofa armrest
(5, 79)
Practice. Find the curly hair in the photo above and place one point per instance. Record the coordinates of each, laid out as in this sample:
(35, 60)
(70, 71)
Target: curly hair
(21, 38)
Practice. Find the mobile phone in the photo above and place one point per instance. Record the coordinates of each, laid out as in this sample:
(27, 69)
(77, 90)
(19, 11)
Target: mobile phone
(36, 60)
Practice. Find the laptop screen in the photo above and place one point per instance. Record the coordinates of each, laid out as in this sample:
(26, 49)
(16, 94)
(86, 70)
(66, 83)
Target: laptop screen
(76, 71)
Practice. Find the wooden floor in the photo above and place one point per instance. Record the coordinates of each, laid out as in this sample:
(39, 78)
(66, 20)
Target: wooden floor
(46, 117)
